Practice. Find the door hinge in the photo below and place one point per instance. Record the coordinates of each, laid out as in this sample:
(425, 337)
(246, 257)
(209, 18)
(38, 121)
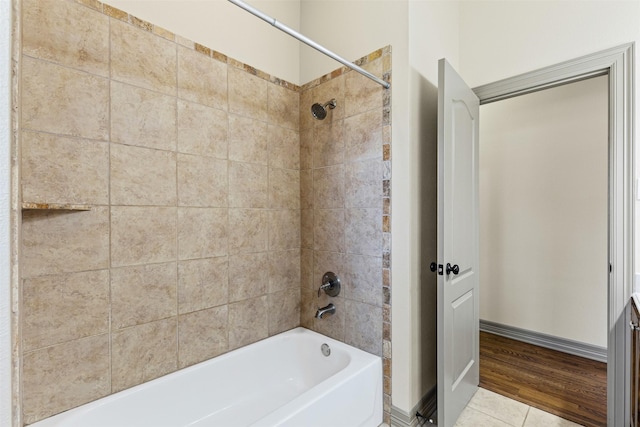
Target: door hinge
(437, 267)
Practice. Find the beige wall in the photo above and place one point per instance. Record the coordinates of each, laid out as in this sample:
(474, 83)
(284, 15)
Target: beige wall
(543, 211)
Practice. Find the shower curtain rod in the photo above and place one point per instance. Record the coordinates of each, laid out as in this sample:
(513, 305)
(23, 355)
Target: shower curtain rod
(308, 41)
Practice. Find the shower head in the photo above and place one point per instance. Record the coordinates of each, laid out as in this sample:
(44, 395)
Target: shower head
(320, 111)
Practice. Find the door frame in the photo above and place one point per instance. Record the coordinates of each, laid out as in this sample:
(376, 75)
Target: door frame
(618, 64)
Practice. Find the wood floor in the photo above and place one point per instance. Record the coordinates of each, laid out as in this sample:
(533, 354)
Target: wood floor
(568, 386)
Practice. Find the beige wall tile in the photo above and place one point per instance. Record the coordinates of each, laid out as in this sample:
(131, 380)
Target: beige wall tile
(284, 189)
(202, 79)
(361, 93)
(331, 325)
(64, 307)
(57, 378)
(202, 233)
(143, 59)
(142, 176)
(306, 101)
(64, 101)
(363, 279)
(248, 322)
(66, 33)
(363, 184)
(324, 262)
(284, 229)
(306, 228)
(284, 310)
(247, 273)
(142, 235)
(142, 117)
(202, 181)
(308, 308)
(202, 335)
(283, 107)
(306, 189)
(306, 270)
(202, 130)
(329, 229)
(328, 187)
(284, 148)
(247, 140)
(142, 294)
(64, 170)
(363, 326)
(247, 95)
(363, 136)
(63, 241)
(332, 89)
(284, 272)
(363, 231)
(306, 148)
(202, 283)
(248, 185)
(328, 144)
(142, 353)
(248, 230)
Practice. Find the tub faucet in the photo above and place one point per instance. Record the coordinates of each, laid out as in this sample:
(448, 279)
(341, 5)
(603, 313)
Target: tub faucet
(329, 309)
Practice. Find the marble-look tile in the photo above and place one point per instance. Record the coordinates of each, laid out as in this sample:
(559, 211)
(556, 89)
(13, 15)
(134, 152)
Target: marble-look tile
(363, 184)
(306, 189)
(64, 101)
(306, 148)
(363, 231)
(329, 230)
(284, 310)
(284, 270)
(248, 185)
(328, 144)
(538, 418)
(58, 242)
(142, 117)
(202, 283)
(202, 233)
(363, 279)
(143, 59)
(64, 170)
(248, 230)
(202, 335)
(64, 307)
(247, 274)
(283, 106)
(248, 321)
(328, 187)
(284, 229)
(142, 294)
(306, 228)
(306, 101)
(142, 235)
(363, 326)
(247, 95)
(202, 79)
(361, 93)
(63, 376)
(142, 176)
(202, 181)
(142, 353)
(306, 269)
(284, 148)
(308, 308)
(248, 140)
(473, 418)
(508, 410)
(66, 33)
(363, 136)
(202, 130)
(284, 189)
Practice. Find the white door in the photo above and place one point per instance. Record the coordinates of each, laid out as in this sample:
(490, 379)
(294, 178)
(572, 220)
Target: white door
(458, 245)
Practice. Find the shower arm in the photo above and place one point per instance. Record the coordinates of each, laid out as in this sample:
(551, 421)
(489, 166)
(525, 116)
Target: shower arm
(308, 41)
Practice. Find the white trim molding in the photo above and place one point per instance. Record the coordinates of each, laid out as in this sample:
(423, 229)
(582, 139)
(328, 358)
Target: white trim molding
(426, 406)
(618, 64)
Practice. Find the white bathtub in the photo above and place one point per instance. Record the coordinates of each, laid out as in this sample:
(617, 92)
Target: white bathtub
(282, 381)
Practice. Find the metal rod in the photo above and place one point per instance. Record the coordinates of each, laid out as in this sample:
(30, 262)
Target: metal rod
(308, 41)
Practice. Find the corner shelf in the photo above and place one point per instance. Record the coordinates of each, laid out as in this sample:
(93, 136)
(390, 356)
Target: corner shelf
(54, 206)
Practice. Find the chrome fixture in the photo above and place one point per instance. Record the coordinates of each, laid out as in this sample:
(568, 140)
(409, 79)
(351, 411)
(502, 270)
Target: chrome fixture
(330, 284)
(252, 10)
(320, 111)
(329, 309)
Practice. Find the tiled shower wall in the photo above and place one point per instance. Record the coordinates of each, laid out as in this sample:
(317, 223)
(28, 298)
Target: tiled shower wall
(195, 174)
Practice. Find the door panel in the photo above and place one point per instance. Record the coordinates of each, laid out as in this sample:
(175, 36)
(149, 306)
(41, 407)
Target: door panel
(458, 245)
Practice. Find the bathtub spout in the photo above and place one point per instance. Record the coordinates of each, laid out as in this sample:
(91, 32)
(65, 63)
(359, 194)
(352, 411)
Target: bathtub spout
(329, 309)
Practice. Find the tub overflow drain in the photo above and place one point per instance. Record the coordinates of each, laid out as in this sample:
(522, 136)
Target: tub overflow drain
(326, 350)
